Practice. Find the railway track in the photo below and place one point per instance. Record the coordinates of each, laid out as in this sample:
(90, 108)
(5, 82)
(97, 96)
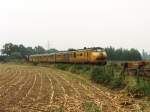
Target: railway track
(39, 89)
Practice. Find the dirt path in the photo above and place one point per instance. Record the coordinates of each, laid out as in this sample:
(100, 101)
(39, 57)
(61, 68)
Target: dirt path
(39, 89)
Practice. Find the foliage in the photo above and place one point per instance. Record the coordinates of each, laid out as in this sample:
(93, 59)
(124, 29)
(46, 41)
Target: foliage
(22, 52)
(113, 54)
(100, 75)
(145, 55)
(16, 55)
(9, 49)
(76, 68)
(53, 50)
(90, 107)
(117, 82)
(71, 49)
(123, 54)
(110, 77)
(39, 50)
(3, 58)
(62, 66)
(139, 88)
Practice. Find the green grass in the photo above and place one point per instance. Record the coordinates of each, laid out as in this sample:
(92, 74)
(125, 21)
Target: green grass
(90, 107)
(139, 87)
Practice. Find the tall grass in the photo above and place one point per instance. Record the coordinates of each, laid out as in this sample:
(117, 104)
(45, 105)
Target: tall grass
(111, 77)
(98, 74)
(139, 87)
(90, 107)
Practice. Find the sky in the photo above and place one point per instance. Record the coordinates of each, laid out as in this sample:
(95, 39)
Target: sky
(76, 23)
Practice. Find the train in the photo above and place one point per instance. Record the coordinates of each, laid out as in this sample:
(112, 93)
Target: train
(81, 56)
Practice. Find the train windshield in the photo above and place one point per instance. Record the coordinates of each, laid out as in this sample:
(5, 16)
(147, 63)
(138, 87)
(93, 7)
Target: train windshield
(98, 50)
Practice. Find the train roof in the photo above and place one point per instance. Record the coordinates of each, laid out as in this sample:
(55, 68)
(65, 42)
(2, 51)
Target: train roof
(43, 54)
(48, 54)
(72, 51)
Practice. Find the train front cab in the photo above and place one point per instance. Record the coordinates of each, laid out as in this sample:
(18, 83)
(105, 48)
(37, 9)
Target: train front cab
(79, 57)
(98, 57)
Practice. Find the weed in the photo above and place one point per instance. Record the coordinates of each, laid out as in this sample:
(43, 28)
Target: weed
(99, 75)
(90, 107)
(140, 88)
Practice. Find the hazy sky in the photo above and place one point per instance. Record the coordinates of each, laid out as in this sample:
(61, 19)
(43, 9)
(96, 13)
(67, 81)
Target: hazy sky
(76, 23)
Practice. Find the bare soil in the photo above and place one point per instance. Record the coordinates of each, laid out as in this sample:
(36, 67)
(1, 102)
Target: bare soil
(41, 89)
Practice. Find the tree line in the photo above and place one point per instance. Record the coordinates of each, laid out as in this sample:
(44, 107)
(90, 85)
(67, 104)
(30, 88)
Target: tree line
(13, 51)
(145, 55)
(123, 54)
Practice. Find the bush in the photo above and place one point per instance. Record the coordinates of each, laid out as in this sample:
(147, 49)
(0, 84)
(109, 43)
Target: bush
(62, 66)
(90, 107)
(110, 77)
(35, 63)
(15, 55)
(99, 75)
(75, 68)
(117, 82)
(140, 88)
(3, 58)
(103, 75)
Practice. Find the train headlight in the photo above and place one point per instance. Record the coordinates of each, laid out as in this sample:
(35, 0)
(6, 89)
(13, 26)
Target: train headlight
(104, 54)
(96, 54)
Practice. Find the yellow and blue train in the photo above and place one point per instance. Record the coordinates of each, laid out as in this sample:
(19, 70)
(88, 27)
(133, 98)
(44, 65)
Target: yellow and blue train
(82, 56)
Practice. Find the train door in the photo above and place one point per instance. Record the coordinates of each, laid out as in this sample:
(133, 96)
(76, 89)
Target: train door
(75, 57)
(66, 57)
(86, 56)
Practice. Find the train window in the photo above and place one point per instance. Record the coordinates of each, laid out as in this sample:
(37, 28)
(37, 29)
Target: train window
(74, 55)
(85, 54)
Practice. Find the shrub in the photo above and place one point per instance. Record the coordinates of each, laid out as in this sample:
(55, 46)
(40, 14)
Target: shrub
(90, 107)
(99, 75)
(3, 58)
(117, 82)
(80, 69)
(62, 66)
(16, 55)
(140, 89)
(35, 63)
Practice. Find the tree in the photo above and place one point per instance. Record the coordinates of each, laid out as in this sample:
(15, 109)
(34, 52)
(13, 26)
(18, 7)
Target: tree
(123, 54)
(16, 55)
(145, 55)
(71, 49)
(29, 51)
(39, 50)
(7, 49)
(52, 50)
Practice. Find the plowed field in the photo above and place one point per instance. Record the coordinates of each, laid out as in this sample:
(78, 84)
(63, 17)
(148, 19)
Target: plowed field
(41, 89)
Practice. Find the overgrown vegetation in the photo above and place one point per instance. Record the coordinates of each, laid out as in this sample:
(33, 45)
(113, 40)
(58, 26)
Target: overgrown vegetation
(14, 51)
(90, 107)
(139, 87)
(98, 74)
(123, 54)
(111, 77)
